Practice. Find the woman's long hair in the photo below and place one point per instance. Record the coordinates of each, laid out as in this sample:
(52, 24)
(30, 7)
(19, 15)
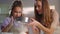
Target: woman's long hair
(16, 4)
(47, 14)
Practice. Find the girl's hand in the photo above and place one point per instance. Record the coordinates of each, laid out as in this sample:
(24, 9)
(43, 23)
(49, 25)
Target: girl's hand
(12, 21)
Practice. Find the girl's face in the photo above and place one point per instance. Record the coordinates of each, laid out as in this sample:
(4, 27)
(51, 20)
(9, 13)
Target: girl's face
(17, 12)
(38, 5)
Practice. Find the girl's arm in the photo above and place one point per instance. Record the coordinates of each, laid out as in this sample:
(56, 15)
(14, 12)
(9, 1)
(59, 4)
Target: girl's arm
(8, 27)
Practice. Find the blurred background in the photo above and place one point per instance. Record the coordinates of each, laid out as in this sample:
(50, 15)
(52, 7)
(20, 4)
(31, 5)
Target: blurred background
(28, 8)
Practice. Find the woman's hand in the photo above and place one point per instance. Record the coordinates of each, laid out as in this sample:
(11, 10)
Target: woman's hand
(36, 30)
(34, 22)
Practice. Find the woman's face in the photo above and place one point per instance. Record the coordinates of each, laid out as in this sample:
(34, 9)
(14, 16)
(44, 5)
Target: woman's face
(38, 5)
(17, 12)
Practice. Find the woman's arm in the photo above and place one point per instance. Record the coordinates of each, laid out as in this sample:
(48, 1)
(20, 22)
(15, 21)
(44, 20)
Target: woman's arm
(53, 25)
(46, 30)
(41, 27)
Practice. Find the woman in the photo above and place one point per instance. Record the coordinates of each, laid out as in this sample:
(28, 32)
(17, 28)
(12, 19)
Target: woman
(46, 19)
(16, 11)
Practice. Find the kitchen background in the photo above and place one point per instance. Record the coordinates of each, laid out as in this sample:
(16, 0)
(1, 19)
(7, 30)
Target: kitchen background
(28, 8)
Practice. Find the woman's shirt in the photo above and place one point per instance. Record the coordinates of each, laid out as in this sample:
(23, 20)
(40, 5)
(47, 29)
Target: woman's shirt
(55, 22)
